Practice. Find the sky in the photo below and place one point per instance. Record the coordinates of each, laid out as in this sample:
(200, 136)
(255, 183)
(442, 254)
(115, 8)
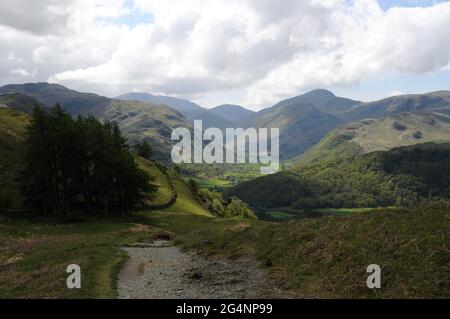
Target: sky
(248, 52)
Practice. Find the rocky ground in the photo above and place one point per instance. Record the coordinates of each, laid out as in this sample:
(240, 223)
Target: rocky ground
(162, 271)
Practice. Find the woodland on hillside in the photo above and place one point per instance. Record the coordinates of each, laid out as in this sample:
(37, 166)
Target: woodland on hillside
(82, 163)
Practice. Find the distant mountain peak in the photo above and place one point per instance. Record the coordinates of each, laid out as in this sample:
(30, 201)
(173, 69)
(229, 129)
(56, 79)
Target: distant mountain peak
(236, 114)
(322, 92)
(231, 107)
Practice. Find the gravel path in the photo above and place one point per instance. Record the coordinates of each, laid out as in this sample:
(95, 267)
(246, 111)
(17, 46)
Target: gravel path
(162, 271)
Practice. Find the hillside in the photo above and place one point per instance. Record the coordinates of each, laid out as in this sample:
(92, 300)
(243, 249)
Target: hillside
(12, 136)
(154, 123)
(19, 102)
(348, 178)
(208, 118)
(49, 94)
(383, 134)
(186, 108)
(328, 257)
(137, 119)
(178, 104)
(327, 102)
(278, 190)
(398, 104)
(185, 203)
(301, 125)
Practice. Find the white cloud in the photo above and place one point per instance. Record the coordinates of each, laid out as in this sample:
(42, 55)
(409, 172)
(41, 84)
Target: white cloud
(396, 93)
(19, 71)
(215, 51)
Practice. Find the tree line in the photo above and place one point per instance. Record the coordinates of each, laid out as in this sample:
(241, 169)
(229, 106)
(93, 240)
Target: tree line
(81, 163)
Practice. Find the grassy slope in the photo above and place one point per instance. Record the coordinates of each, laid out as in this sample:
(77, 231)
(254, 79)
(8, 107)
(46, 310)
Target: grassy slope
(34, 256)
(35, 253)
(163, 194)
(19, 102)
(152, 122)
(12, 131)
(380, 135)
(398, 104)
(301, 125)
(13, 122)
(328, 257)
(185, 203)
(325, 257)
(346, 211)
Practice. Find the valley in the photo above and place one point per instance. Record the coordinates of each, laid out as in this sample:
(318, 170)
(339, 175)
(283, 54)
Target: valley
(352, 191)
(261, 152)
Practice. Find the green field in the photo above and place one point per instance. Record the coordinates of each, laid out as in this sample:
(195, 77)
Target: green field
(282, 214)
(205, 183)
(344, 211)
(223, 175)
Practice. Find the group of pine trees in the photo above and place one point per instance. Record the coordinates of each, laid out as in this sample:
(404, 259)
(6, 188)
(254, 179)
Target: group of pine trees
(81, 163)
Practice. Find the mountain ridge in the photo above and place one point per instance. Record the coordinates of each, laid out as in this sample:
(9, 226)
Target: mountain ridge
(398, 104)
(301, 125)
(303, 120)
(139, 121)
(187, 108)
(176, 103)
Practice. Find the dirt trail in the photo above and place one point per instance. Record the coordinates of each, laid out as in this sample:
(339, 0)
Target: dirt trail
(162, 271)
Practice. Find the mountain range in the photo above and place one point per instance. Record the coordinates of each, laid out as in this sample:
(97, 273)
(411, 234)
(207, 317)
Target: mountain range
(306, 119)
(306, 122)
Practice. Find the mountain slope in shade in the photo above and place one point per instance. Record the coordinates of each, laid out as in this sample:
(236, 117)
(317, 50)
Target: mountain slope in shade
(235, 114)
(137, 120)
(208, 118)
(19, 102)
(327, 102)
(49, 94)
(186, 108)
(144, 121)
(301, 125)
(178, 104)
(398, 104)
